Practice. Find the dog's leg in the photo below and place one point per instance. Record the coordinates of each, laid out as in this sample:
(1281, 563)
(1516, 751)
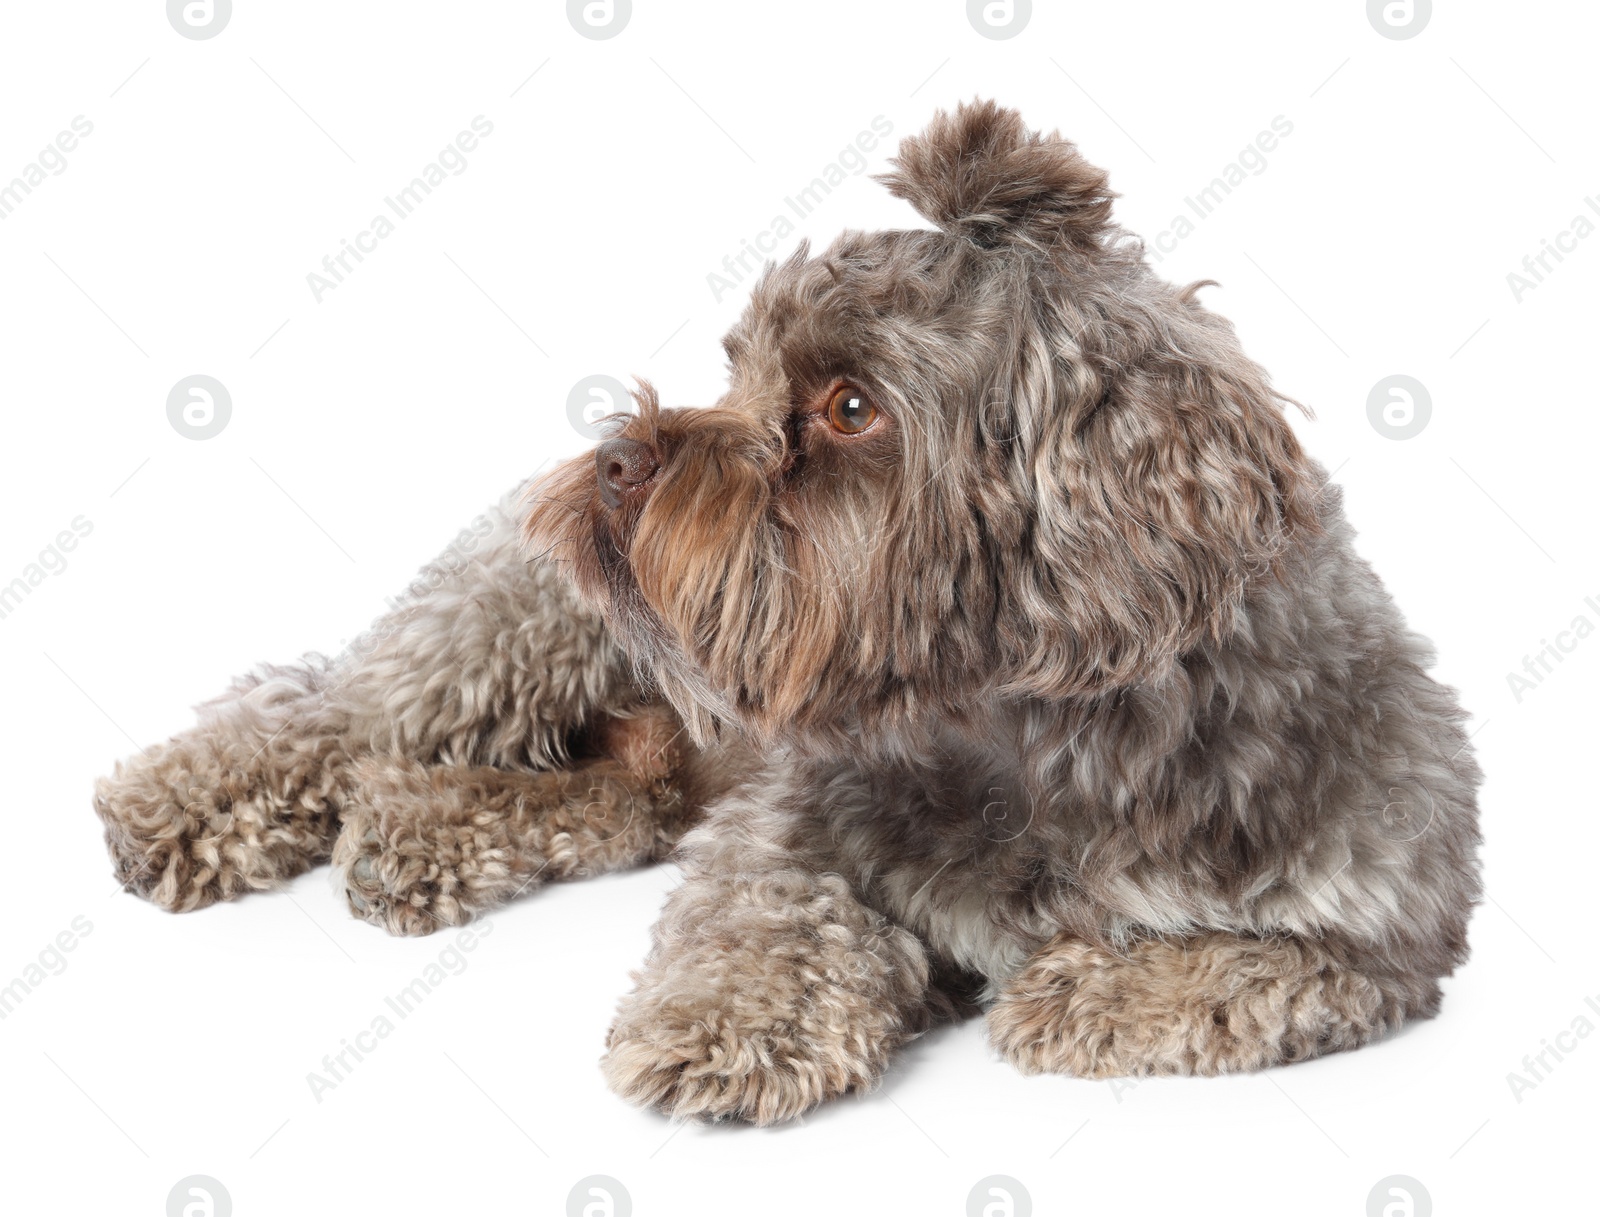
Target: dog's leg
(1215, 1003)
(487, 660)
(769, 987)
(241, 802)
(425, 846)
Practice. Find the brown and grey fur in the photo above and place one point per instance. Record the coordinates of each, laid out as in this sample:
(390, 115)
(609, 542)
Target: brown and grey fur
(1061, 689)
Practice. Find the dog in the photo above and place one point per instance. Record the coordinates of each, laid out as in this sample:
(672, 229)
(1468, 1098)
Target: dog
(992, 643)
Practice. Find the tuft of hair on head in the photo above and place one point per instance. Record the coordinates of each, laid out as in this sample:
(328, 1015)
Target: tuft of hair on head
(980, 173)
(646, 408)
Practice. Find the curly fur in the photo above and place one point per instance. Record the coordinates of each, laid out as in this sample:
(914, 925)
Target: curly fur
(1061, 688)
(1210, 1004)
(482, 738)
(770, 987)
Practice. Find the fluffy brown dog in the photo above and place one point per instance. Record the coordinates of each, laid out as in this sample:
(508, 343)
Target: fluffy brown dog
(994, 629)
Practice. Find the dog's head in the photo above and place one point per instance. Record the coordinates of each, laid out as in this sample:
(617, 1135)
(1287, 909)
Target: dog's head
(997, 459)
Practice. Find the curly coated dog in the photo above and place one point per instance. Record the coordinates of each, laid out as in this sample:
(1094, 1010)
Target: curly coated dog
(990, 643)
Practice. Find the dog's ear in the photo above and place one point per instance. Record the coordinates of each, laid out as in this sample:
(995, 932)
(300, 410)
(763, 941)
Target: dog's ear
(981, 174)
(1152, 511)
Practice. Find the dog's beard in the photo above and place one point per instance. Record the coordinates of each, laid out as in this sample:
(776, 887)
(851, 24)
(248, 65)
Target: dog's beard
(718, 599)
(830, 616)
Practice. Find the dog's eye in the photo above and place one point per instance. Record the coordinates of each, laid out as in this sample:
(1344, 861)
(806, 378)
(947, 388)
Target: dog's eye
(851, 411)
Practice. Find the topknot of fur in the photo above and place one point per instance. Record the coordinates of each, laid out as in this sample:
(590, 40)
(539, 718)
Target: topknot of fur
(980, 173)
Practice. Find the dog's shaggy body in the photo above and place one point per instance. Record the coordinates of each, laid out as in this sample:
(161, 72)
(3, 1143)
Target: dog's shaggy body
(1057, 687)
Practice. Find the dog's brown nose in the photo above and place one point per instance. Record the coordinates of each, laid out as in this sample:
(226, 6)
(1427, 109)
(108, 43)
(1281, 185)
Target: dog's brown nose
(623, 465)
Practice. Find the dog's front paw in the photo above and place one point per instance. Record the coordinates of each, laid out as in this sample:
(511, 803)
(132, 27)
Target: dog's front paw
(734, 1058)
(761, 1002)
(388, 885)
(184, 832)
(1216, 1003)
(413, 874)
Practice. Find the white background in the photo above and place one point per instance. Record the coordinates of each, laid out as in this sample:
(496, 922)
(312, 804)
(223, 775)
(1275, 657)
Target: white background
(369, 427)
